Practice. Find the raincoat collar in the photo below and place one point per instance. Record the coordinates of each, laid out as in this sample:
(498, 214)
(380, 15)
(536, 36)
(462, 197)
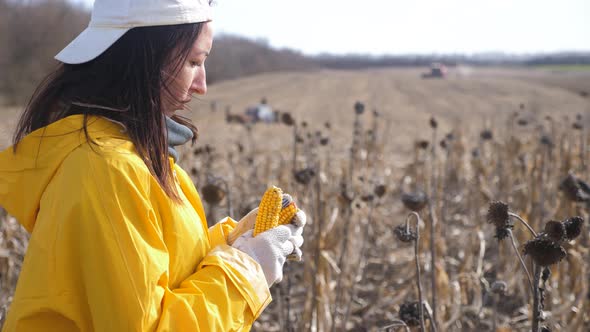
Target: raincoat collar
(24, 175)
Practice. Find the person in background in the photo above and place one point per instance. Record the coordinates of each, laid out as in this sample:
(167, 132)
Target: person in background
(118, 236)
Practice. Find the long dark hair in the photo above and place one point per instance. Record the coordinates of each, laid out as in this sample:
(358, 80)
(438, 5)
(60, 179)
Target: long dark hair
(126, 84)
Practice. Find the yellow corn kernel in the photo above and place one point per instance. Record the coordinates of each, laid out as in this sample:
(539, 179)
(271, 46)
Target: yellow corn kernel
(269, 210)
(287, 214)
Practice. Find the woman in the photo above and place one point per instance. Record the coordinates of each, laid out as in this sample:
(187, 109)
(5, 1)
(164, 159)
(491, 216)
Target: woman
(118, 234)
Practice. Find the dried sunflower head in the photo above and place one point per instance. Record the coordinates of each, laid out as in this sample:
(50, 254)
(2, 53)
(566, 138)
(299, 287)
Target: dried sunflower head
(573, 227)
(212, 193)
(422, 144)
(499, 287)
(380, 190)
(498, 214)
(404, 234)
(544, 251)
(415, 201)
(486, 135)
(359, 107)
(304, 176)
(409, 312)
(573, 189)
(547, 141)
(287, 119)
(433, 123)
(555, 230)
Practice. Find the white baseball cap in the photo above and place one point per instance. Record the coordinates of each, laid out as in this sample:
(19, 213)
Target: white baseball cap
(112, 18)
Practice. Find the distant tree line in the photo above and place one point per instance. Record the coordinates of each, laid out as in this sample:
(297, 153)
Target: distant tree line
(354, 61)
(234, 56)
(33, 31)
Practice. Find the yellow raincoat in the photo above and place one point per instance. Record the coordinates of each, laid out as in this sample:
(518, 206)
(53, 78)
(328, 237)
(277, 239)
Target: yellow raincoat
(108, 250)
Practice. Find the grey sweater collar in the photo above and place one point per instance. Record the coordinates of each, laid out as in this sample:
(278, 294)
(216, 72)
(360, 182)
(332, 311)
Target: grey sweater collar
(177, 135)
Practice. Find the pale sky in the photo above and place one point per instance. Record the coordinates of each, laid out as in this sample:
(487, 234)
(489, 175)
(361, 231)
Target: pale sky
(409, 26)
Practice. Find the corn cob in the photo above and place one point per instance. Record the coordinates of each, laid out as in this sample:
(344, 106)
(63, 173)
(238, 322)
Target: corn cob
(269, 210)
(274, 209)
(287, 213)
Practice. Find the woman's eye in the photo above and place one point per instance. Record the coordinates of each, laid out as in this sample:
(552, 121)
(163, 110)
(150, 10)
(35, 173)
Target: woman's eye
(195, 64)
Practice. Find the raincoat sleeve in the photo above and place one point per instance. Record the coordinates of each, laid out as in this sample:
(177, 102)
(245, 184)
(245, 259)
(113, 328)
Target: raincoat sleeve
(123, 261)
(218, 233)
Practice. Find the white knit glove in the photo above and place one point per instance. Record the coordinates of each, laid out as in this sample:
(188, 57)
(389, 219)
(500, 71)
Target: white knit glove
(271, 248)
(298, 223)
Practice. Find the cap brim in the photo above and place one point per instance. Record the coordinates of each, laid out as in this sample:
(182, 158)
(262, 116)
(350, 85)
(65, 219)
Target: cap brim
(91, 43)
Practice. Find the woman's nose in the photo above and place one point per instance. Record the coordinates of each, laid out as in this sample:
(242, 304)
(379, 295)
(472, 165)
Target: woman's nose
(199, 85)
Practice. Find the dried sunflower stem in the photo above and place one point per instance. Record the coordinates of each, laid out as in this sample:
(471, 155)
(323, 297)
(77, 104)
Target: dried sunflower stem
(354, 146)
(582, 149)
(347, 212)
(343, 251)
(429, 311)
(433, 222)
(294, 166)
(544, 161)
(361, 269)
(536, 312)
(417, 260)
(495, 313)
(528, 275)
(319, 213)
(524, 223)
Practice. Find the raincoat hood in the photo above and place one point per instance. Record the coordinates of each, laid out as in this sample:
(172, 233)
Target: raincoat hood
(24, 175)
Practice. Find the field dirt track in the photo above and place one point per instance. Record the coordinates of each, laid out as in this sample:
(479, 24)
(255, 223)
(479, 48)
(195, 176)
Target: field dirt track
(469, 98)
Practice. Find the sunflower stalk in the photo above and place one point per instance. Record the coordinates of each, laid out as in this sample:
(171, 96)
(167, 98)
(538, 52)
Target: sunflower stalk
(362, 258)
(536, 299)
(433, 221)
(417, 261)
(513, 242)
(526, 224)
